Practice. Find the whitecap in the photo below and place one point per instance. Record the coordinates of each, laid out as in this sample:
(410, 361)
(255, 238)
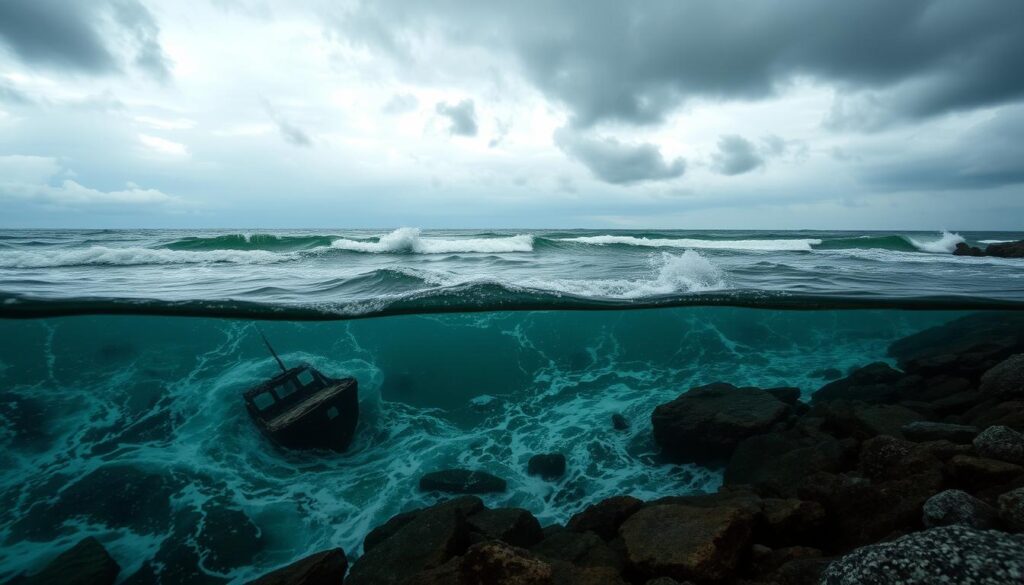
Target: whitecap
(780, 245)
(102, 255)
(944, 245)
(410, 240)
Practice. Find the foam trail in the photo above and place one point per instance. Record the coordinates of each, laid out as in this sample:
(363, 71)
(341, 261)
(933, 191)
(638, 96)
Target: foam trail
(782, 245)
(995, 241)
(409, 240)
(106, 256)
(944, 245)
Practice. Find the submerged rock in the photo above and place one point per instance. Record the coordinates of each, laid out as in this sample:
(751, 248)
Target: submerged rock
(547, 465)
(785, 395)
(515, 526)
(958, 507)
(686, 542)
(1011, 509)
(708, 422)
(876, 382)
(323, 568)
(1002, 443)
(86, 563)
(963, 249)
(462, 481)
(921, 431)
(1006, 249)
(1005, 379)
(779, 464)
(619, 422)
(605, 517)
(950, 554)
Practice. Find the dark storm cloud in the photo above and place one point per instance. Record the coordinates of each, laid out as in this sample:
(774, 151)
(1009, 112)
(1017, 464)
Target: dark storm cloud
(988, 156)
(77, 35)
(736, 155)
(637, 61)
(461, 115)
(618, 163)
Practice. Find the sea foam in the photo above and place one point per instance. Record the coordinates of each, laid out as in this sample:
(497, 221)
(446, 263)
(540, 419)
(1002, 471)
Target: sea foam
(790, 244)
(944, 245)
(133, 256)
(409, 240)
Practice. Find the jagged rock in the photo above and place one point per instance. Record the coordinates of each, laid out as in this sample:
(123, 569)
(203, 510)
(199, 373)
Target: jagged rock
(427, 540)
(1006, 249)
(686, 542)
(462, 481)
(779, 464)
(876, 382)
(582, 549)
(605, 517)
(548, 465)
(885, 458)
(963, 249)
(981, 471)
(863, 421)
(921, 431)
(619, 422)
(490, 563)
(708, 422)
(323, 568)
(514, 526)
(1011, 509)
(86, 563)
(958, 507)
(786, 522)
(396, 522)
(1006, 379)
(1002, 443)
(785, 395)
(965, 347)
(950, 554)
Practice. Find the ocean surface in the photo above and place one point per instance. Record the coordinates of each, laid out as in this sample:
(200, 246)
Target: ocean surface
(124, 354)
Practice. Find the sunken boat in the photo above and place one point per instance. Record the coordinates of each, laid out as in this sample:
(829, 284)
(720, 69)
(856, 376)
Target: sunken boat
(301, 408)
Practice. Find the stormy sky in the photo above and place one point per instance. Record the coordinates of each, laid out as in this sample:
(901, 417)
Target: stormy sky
(451, 113)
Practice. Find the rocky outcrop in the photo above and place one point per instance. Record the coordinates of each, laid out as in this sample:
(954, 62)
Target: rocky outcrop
(493, 563)
(605, 517)
(877, 382)
(706, 423)
(547, 465)
(963, 249)
(1006, 249)
(462, 481)
(1011, 509)
(514, 526)
(86, 563)
(1002, 443)
(921, 431)
(323, 568)
(779, 463)
(686, 542)
(1005, 380)
(960, 508)
(950, 554)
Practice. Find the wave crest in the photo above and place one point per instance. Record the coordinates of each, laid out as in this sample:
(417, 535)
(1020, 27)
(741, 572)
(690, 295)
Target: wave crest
(102, 255)
(780, 245)
(944, 245)
(410, 240)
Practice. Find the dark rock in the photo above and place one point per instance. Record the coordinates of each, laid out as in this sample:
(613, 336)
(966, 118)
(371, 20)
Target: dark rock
(619, 422)
(958, 507)
(979, 471)
(1006, 249)
(1006, 379)
(963, 249)
(887, 458)
(462, 481)
(1011, 509)
(666, 581)
(514, 526)
(686, 542)
(997, 413)
(786, 522)
(1002, 443)
(567, 574)
(876, 382)
(802, 571)
(396, 522)
(491, 563)
(779, 464)
(582, 549)
(921, 431)
(605, 517)
(863, 421)
(827, 373)
(323, 568)
(786, 395)
(965, 347)
(548, 466)
(86, 563)
(708, 422)
(950, 554)
(431, 538)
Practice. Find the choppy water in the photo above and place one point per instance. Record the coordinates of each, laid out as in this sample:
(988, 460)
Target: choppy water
(132, 428)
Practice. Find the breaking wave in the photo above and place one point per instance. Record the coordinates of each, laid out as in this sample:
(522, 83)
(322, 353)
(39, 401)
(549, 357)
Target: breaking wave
(133, 256)
(410, 240)
(944, 245)
(779, 245)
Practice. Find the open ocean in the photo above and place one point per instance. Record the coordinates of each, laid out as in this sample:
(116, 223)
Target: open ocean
(123, 356)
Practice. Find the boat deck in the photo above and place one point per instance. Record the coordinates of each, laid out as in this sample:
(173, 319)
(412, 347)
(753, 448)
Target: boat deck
(300, 410)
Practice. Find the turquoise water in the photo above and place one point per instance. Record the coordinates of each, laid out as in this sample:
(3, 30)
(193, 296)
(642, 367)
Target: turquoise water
(132, 428)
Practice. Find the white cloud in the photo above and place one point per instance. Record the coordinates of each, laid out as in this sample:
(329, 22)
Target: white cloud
(163, 146)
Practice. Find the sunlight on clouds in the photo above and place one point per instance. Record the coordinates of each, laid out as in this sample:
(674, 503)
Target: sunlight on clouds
(163, 146)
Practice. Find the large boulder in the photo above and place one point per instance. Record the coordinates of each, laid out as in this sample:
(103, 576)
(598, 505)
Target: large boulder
(965, 347)
(514, 526)
(963, 249)
(982, 472)
(1005, 380)
(686, 542)
(877, 382)
(1002, 443)
(547, 465)
(427, 539)
(1006, 249)
(786, 522)
(86, 563)
(950, 554)
(491, 563)
(863, 421)
(922, 431)
(779, 464)
(706, 423)
(582, 549)
(605, 517)
(323, 568)
(958, 507)
(462, 481)
(1011, 509)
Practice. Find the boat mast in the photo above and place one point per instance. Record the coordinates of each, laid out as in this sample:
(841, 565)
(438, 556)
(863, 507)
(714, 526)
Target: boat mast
(272, 352)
